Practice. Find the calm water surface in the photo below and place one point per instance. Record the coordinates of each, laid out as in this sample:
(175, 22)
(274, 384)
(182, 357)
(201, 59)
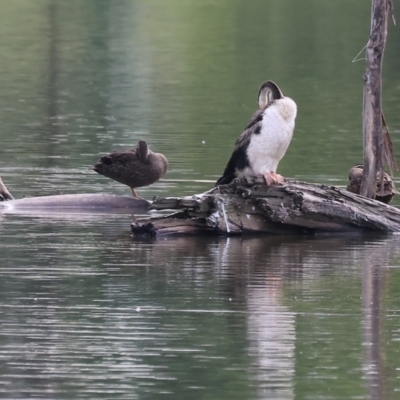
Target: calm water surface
(86, 311)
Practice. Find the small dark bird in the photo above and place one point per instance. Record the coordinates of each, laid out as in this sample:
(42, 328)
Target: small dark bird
(135, 168)
(354, 185)
(265, 139)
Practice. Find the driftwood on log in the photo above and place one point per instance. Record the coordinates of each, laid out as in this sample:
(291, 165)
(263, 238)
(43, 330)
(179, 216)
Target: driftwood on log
(249, 206)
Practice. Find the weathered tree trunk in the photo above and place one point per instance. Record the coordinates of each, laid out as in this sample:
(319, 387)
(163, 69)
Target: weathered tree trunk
(249, 205)
(374, 136)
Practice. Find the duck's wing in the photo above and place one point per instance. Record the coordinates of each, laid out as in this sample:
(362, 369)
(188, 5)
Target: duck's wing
(116, 160)
(239, 160)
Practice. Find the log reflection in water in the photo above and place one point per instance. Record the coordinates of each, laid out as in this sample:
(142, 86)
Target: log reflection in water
(256, 275)
(374, 281)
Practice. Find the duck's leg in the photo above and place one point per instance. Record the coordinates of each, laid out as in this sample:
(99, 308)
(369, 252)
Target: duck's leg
(134, 194)
(273, 177)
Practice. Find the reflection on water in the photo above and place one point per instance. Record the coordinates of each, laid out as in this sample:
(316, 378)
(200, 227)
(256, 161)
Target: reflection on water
(93, 311)
(271, 333)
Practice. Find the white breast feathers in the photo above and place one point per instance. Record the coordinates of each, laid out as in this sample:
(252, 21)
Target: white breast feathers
(267, 148)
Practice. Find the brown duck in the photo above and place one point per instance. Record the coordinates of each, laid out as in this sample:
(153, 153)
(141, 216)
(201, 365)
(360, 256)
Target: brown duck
(354, 185)
(135, 168)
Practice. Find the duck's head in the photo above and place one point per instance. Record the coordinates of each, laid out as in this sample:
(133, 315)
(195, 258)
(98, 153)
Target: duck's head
(356, 172)
(269, 91)
(142, 150)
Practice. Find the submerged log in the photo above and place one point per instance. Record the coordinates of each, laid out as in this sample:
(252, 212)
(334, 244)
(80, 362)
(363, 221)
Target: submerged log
(70, 203)
(249, 206)
(75, 203)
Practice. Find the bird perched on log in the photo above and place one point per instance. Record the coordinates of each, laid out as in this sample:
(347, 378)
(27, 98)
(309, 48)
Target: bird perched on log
(354, 185)
(135, 168)
(265, 139)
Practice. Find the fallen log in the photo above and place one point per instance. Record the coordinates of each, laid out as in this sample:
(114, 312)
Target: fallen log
(70, 203)
(75, 203)
(249, 206)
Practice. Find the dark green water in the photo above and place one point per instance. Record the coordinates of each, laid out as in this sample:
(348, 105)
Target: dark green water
(88, 312)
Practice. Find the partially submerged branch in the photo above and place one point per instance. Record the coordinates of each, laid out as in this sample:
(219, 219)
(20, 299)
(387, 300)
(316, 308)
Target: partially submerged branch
(4, 193)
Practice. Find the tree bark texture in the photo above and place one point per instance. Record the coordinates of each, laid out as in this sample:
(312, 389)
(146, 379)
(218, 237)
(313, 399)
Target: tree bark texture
(373, 134)
(249, 206)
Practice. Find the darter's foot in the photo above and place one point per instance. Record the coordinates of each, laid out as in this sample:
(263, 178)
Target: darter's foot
(273, 177)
